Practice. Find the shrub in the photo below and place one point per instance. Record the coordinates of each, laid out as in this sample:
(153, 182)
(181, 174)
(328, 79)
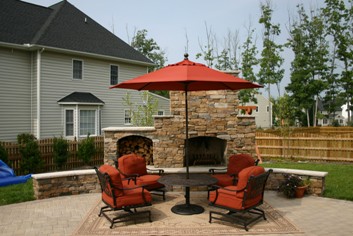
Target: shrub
(86, 150)
(60, 151)
(28, 146)
(3, 154)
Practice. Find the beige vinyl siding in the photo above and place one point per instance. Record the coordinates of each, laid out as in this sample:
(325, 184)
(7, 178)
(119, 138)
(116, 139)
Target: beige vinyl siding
(57, 83)
(261, 116)
(15, 93)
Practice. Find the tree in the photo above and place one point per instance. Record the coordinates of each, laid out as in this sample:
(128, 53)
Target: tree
(60, 151)
(86, 150)
(249, 61)
(142, 115)
(149, 48)
(3, 154)
(208, 50)
(339, 23)
(31, 161)
(284, 110)
(270, 61)
(309, 67)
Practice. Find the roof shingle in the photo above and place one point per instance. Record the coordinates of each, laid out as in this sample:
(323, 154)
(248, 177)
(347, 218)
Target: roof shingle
(61, 26)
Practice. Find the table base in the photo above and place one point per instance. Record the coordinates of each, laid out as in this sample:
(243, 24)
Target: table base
(187, 209)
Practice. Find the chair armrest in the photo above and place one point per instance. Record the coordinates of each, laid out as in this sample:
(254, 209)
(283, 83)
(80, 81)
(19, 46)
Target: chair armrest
(160, 171)
(213, 171)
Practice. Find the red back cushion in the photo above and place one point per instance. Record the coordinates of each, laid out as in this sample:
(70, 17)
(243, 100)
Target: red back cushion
(244, 176)
(239, 162)
(114, 177)
(132, 164)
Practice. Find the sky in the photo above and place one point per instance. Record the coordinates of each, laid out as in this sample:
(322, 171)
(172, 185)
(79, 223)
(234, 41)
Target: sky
(175, 25)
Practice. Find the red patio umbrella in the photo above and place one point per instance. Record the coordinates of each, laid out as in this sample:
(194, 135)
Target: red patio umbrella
(186, 76)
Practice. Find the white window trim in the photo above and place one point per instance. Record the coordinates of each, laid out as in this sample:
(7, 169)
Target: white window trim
(72, 71)
(110, 73)
(76, 113)
(65, 131)
(127, 110)
(79, 122)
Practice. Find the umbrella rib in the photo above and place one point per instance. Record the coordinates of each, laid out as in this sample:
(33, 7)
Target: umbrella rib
(144, 86)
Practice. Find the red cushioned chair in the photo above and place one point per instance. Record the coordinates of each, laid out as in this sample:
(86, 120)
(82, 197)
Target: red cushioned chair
(117, 197)
(236, 163)
(134, 166)
(245, 197)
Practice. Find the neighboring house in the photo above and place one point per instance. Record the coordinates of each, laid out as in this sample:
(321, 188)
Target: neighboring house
(56, 67)
(329, 118)
(261, 113)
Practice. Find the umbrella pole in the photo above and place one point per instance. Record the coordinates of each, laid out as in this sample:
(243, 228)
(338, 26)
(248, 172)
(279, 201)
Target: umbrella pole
(186, 134)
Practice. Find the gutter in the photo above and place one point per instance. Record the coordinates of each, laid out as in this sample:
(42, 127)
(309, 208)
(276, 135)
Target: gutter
(39, 62)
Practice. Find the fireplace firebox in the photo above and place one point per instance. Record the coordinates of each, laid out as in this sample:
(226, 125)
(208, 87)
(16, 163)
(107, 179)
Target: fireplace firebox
(205, 150)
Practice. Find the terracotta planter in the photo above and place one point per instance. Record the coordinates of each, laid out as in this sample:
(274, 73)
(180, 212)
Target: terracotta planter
(299, 191)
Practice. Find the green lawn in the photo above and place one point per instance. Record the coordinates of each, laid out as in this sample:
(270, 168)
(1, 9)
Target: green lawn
(17, 193)
(338, 181)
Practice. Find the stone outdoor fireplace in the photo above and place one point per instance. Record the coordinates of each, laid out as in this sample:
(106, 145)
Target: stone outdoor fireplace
(216, 131)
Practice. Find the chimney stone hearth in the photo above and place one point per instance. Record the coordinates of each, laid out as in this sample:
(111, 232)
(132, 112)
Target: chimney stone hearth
(211, 114)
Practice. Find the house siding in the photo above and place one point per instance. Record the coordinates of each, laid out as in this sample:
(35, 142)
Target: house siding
(57, 82)
(15, 93)
(261, 116)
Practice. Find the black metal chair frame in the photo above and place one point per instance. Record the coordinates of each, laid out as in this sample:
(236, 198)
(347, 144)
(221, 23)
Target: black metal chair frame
(130, 215)
(157, 191)
(255, 187)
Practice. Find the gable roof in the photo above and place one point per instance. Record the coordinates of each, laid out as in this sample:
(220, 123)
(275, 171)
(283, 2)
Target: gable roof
(81, 98)
(60, 26)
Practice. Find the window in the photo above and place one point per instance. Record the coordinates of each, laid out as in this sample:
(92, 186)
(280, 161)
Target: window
(114, 75)
(76, 69)
(267, 108)
(127, 117)
(160, 113)
(324, 121)
(69, 122)
(257, 109)
(87, 122)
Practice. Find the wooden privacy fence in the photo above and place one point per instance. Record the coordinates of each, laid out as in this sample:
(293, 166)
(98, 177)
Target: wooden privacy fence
(46, 150)
(327, 144)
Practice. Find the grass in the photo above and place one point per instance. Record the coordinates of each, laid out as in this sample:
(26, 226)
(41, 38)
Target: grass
(339, 180)
(17, 193)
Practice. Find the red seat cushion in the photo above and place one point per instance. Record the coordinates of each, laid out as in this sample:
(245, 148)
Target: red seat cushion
(234, 199)
(130, 198)
(114, 178)
(223, 179)
(150, 181)
(238, 162)
(132, 164)
(226, 198)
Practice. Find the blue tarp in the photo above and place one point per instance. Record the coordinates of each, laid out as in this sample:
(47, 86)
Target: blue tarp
(8, 177)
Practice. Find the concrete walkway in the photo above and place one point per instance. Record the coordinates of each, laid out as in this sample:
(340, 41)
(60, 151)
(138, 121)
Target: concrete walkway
(61, 215)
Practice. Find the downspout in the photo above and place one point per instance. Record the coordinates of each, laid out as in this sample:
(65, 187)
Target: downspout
(39, 61)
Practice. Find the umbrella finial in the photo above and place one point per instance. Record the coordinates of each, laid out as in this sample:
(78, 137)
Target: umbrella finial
(186, 56)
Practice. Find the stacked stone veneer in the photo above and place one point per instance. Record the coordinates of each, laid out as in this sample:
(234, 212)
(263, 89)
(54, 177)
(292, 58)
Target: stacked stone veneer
(211, 113)
(63, 183)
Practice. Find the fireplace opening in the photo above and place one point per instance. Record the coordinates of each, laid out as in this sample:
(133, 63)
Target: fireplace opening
(139, 145)
(205, 150)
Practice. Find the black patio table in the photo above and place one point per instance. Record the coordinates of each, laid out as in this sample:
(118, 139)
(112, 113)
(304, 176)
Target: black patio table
(192, 181)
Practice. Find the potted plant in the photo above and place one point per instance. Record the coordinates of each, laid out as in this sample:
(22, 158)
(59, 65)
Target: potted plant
(293, 186)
